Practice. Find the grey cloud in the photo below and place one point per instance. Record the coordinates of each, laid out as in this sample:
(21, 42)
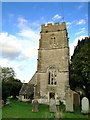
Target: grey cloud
(10, 52)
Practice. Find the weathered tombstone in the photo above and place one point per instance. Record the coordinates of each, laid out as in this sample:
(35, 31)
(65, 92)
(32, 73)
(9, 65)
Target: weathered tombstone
(1, 103)
(69, 100)
(52, 105)
(35, 106)
(85, 105)
(76, 99)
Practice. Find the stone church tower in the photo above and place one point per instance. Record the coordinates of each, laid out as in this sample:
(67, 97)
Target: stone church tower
(53, 63)
(52, 76)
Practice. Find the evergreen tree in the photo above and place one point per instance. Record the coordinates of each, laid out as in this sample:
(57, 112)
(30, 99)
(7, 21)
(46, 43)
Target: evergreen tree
(80, 67)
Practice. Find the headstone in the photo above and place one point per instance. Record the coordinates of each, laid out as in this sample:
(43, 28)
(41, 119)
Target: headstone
(85, 105)
(52, 105)
(69, 100)
(35, 106)
(1, 103)
(76, 99)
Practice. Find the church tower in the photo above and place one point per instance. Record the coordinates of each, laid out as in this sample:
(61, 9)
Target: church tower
(52, 76)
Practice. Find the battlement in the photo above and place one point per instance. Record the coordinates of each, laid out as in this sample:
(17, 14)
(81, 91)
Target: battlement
(53, 28)
(85, 38)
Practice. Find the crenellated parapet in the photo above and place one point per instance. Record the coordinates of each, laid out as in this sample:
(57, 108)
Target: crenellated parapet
(53, 28)
(87, 37)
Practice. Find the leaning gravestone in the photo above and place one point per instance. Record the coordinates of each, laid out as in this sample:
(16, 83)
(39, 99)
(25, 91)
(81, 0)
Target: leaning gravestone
(35, 106)
(52, 105)
(85, 105)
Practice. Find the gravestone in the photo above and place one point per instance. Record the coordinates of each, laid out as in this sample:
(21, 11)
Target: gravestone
(1, 103)
(52, 105)
(76, 99)
(85, 105)
(69, 100)
(35, 106)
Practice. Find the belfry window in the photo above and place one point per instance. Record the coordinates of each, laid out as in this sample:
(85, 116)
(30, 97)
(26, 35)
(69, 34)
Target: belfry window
(53, 41)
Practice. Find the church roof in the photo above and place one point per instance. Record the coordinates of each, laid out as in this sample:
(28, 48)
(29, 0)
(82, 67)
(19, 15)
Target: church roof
(27, 89)
(33, 79)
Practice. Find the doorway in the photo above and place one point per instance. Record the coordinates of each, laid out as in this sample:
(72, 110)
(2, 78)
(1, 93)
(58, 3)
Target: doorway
(51, 95)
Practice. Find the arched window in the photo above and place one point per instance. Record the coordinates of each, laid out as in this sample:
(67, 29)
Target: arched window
(53, 41)
(52, 76)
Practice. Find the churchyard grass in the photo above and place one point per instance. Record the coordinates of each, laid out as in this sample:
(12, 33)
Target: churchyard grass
(24, 110)
(0, 114)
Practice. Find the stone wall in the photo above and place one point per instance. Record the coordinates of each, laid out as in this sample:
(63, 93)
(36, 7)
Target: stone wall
(53, 53)
(57, 57)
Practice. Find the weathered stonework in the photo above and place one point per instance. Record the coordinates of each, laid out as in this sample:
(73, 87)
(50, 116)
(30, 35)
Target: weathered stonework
(53, 62)
(52, 75)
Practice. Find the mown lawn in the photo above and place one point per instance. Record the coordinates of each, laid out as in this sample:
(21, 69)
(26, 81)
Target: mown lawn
(24, 110)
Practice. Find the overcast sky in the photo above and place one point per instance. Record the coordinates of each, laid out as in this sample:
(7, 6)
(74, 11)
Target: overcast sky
(20, 34)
